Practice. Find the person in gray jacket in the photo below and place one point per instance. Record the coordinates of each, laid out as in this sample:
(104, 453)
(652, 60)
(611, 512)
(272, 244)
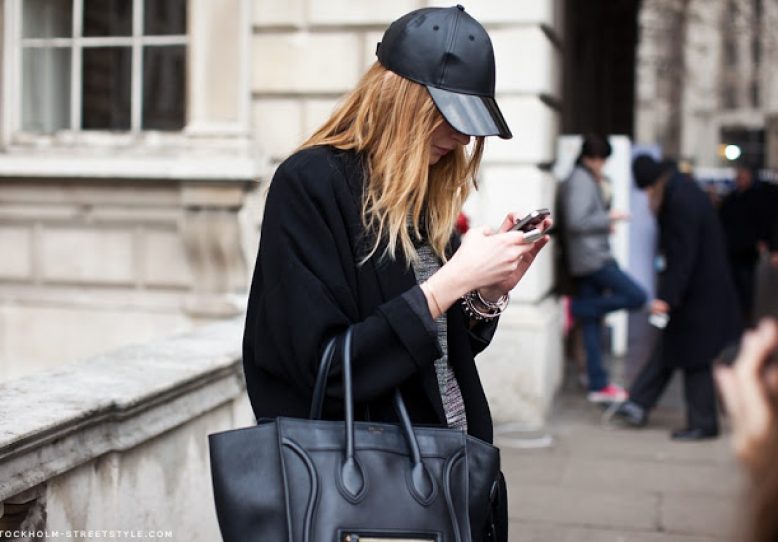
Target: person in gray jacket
(600, 285)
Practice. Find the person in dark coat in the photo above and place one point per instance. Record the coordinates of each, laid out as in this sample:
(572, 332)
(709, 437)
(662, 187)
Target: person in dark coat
(772, 239)
(358, 232)
(696, 294)
(746, 215)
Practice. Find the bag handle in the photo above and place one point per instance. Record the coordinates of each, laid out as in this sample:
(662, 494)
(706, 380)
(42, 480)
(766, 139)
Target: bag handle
(319, 390)
(352, 477)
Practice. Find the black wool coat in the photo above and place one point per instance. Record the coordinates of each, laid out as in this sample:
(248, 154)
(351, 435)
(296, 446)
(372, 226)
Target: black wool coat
(747, 218)
(696, 282)
(308, 286)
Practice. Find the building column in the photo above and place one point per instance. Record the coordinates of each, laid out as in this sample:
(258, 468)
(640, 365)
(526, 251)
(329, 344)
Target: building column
(522, 368)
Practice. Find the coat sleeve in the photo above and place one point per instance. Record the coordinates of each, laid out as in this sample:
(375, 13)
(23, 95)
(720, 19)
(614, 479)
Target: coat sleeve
(479, 335)
(680, 229)
(771, 219)
(307, 291)
(773, 240)
(581, 214)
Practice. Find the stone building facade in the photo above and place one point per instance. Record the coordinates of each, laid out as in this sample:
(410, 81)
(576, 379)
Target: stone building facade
(124, 217)
(706, 78)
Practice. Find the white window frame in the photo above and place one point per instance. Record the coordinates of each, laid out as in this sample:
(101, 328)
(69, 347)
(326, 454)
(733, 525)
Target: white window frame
(206, 149)
(14, 43)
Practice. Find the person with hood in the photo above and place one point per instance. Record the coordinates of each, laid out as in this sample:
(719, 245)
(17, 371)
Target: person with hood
(358, 233)
(696, 298)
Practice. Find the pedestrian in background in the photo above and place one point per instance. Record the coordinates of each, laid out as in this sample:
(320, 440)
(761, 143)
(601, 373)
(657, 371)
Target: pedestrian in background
(772, 241)
(746, 215)
(600, 286)
(696, 294)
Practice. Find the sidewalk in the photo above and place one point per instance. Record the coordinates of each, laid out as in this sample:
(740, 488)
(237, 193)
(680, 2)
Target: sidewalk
(598, 483)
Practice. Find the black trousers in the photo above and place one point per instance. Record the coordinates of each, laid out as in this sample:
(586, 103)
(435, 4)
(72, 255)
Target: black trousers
(744, 277)
(699, 390)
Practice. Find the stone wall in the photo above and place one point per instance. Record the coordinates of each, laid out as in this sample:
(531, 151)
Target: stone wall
(132, 454)
(94, 264)
(112, 238)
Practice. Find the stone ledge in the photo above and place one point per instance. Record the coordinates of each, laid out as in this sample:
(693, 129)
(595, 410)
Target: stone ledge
(182, 167)
(55, 421)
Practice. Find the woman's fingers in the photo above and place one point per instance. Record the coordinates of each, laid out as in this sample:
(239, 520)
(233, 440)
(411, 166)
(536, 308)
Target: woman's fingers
(509, 221)
(500, 259)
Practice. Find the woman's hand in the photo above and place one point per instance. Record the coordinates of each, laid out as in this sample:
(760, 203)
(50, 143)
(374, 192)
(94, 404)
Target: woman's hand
(618, 216)
(490, 262)
(750, 392)
(615, 218)
(658, 306)
(497, 289)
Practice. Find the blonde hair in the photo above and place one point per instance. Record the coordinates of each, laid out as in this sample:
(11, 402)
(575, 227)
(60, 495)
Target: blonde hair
(390, 119)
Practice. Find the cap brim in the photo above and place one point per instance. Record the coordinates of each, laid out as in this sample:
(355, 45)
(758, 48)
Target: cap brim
(470, 114)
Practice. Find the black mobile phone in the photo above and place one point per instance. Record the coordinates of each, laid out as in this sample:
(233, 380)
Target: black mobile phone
(529, 224)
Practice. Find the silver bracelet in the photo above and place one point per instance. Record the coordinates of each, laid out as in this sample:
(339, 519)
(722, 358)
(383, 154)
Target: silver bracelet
(501, 304)
(487, 310)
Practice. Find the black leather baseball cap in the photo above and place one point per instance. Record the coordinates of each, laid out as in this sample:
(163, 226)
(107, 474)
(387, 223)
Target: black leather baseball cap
(450, 53)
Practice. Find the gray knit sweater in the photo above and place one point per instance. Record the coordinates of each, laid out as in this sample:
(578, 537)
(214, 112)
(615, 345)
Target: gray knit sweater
(450, 393)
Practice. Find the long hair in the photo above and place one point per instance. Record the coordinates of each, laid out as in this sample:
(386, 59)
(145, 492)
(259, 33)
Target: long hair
(389, 120)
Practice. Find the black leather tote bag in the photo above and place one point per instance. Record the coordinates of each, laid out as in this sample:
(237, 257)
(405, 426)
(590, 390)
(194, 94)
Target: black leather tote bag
(310, 480)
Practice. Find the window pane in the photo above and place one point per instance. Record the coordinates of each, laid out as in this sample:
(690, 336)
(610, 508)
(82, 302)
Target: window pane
(107, 17)
(45, 89)
(47, 18)
(164, 17)
(106, 88)
(164, 74)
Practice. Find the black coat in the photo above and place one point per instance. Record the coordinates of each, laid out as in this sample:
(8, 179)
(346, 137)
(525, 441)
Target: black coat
(308, 287)
(747, 218)
(696, 282)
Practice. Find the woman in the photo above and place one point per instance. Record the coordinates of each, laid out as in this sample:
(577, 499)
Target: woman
(601, 286)
(357, 233)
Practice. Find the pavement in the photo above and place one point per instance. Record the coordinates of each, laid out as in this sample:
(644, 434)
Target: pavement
(582, 479)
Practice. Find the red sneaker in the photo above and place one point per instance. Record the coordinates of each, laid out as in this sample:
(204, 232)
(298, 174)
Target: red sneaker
(609, 394)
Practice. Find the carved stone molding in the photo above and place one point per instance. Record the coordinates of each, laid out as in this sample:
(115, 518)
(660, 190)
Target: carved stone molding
(211, 230)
